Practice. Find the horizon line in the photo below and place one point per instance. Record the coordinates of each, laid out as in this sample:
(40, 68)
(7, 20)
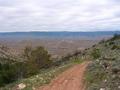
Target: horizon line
(55, 31)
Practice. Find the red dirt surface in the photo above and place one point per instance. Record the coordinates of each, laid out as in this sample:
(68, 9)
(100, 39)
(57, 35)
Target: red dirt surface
(72, 79)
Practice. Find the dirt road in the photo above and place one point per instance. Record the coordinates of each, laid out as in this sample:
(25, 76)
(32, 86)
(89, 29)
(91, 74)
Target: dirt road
(72, 79)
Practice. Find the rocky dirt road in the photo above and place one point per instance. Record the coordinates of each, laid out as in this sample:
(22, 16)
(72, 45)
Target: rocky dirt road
(72, 79)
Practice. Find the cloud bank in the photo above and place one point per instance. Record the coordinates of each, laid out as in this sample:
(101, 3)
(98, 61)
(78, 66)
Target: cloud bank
(59, 15)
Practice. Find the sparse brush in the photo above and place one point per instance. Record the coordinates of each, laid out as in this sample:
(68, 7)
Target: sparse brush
(104, 72)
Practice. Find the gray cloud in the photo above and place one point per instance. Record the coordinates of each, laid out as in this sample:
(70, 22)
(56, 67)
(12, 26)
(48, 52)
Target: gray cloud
(66, 15)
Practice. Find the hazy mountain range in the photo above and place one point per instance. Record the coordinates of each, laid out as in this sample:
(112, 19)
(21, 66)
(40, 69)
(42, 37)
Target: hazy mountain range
(61, 34)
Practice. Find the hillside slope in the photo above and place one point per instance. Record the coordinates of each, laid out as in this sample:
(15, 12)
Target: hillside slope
(104, 72)
(5, 55)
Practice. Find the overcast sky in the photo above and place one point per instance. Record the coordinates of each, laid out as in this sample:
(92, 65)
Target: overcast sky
(59, 15)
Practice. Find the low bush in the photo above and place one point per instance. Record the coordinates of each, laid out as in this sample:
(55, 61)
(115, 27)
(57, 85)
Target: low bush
(115, 47)
(96, 53)
(35, 59)
(10, 73)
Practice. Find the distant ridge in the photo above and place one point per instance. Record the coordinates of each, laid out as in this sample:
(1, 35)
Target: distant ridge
(61, 34)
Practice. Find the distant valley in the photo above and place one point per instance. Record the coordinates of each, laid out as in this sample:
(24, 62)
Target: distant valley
(57, 43)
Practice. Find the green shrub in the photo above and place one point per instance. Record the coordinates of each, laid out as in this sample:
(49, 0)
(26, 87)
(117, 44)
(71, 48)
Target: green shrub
(111, 43)
(41, 57)
(115, 47)
(38, 57)
(96, 53)
(9, 72)
(35, 59)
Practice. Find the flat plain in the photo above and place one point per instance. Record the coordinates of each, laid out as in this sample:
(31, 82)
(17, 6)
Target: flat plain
(56, 47)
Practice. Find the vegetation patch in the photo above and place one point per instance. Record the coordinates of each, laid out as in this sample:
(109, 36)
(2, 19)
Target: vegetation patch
(104, 71)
